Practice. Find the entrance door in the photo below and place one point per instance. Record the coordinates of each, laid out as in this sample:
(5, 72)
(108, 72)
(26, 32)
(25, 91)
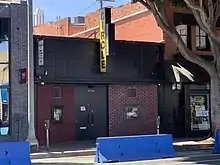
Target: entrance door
(172, 111)
(91, 107)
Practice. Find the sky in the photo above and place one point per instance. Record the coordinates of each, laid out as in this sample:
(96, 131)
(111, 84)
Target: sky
(71, 8)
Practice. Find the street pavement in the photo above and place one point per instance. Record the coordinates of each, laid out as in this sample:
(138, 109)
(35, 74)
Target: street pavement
(188, 158)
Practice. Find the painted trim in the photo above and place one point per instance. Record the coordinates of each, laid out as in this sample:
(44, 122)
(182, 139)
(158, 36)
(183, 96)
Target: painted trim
(114, 21)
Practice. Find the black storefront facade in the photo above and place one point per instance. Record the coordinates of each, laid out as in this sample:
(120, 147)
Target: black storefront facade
(184, 100)
(82, 103)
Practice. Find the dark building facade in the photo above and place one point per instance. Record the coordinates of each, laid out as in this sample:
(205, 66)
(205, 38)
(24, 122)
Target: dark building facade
(82, 103)
(13, 57)
(184, 105)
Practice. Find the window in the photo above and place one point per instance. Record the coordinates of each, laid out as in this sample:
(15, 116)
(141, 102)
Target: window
(131, 111)
(176, 86)
(4, 77)
(201, 39)
(91, 89)
(57, 114)
(57, 92)
(182, 30)
(131, 92)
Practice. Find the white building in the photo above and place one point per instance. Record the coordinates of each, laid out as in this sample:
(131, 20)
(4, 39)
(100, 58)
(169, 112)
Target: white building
(38, 17)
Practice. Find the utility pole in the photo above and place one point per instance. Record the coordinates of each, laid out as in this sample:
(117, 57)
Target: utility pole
(101, 2)
(31, 101)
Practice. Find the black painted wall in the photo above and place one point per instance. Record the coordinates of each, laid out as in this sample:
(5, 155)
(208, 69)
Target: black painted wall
(77, 60)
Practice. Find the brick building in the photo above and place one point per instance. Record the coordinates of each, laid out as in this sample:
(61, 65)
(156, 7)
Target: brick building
(13, 52)
(175, 99)
(127, 18)
(134, 22)
(82, 103)
(62, 27)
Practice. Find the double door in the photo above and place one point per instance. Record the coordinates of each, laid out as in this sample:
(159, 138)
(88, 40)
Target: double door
(91, 106)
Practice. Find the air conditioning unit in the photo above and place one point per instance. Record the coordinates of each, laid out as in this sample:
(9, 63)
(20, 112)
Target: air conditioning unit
(79, 20)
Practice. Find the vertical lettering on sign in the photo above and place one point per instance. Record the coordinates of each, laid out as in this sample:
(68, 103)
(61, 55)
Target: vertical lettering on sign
(41, 52)
(102, 39)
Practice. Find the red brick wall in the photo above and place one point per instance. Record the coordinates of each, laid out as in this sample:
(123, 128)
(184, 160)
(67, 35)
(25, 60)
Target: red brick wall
(142, 27)
(139, 28)
(92, 19)
(45, 101)
(60, 28)
(146, 98)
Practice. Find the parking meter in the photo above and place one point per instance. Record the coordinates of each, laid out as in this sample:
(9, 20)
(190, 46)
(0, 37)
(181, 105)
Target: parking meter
(47, 124)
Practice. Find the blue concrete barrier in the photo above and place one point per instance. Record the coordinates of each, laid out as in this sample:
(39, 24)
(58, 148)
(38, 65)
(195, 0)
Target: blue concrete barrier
(132, 148)
(15, 153)
(216, 148)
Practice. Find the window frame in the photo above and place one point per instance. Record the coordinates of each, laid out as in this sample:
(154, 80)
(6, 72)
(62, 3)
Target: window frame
(201, 36)
(183, 35)
(127, 106)
(6, 124)
(127, 92)
(53, 121)
(176, 86)
(60, 91)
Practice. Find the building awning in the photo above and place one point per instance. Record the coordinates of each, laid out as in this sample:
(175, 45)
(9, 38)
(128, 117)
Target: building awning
(184, 71)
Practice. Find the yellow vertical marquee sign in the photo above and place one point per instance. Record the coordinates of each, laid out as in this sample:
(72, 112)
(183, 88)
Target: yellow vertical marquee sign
(102, 38)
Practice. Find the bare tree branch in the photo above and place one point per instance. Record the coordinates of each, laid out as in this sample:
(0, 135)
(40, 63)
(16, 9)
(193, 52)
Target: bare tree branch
(163, 22)
(217, 12)
(192, 5)
(205, 22)
(211, 11)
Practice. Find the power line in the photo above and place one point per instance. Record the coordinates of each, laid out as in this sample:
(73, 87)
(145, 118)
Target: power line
(86, 8)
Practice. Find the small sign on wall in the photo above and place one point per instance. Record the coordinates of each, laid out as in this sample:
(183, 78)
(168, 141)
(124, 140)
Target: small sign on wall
(23, 76)
(41, 52)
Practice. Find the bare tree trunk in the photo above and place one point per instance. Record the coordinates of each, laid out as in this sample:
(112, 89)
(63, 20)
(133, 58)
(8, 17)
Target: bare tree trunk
(215, 102)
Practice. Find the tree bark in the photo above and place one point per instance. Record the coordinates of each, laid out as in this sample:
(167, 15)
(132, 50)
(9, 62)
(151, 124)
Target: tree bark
(215, 102)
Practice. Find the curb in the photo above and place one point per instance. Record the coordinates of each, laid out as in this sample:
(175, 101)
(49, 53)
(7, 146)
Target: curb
(92, 152)
(193, 147)
(44, 155)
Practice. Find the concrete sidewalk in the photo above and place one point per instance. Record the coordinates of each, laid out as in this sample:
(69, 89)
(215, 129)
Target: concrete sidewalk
(89, 160)
(72, 149)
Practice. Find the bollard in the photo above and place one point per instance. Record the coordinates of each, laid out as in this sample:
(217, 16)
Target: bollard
(158, 125)
(47, 127)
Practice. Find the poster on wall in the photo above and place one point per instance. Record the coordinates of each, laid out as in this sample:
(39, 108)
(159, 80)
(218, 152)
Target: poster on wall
(200, 119)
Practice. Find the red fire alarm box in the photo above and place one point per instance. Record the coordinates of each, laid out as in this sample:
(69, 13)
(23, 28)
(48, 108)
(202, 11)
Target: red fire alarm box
(23, 76)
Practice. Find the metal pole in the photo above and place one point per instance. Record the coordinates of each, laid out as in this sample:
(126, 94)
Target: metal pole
(31, 117)
(158, 125)
(48, 138)
(101, 4)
